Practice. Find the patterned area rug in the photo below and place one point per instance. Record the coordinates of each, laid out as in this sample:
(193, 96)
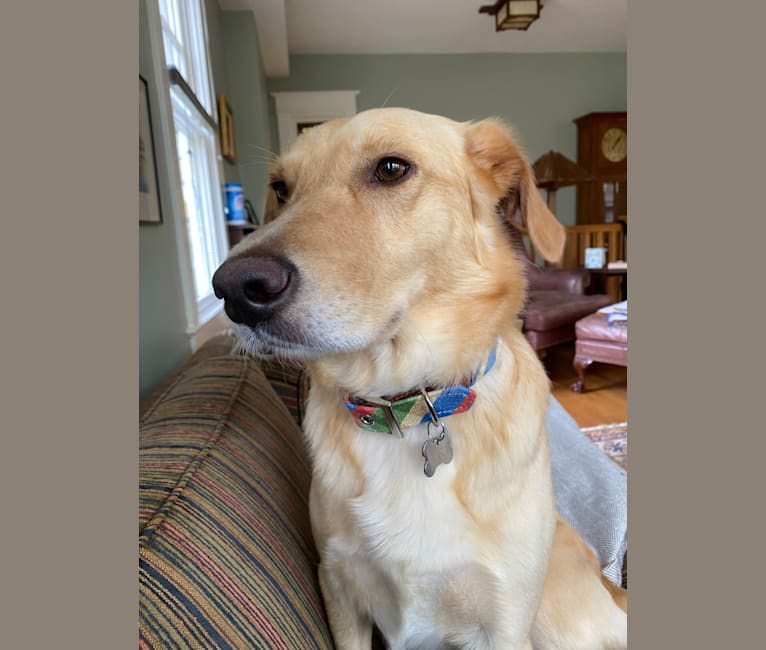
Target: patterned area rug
(612, 439)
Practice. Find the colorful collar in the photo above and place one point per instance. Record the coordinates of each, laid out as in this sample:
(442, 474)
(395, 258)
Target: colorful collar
(392, 415)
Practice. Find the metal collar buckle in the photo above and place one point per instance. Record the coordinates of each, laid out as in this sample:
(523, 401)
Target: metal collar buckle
(385, 406)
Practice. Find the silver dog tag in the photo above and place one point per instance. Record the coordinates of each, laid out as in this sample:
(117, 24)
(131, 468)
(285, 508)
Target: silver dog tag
(437, 450)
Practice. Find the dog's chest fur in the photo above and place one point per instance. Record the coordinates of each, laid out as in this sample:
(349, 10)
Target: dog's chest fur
(403, 515)
(407, 547)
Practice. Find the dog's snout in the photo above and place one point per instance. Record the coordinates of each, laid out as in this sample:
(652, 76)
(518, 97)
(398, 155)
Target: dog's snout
(254, 287)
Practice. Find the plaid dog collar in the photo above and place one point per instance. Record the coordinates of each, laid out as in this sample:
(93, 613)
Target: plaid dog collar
(409, 409)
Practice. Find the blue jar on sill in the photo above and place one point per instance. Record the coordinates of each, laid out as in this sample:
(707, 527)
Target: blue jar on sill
(234, 204)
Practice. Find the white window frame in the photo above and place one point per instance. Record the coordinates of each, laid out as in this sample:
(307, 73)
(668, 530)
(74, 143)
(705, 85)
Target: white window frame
(199, 309)
(193, 62)
(209, 242)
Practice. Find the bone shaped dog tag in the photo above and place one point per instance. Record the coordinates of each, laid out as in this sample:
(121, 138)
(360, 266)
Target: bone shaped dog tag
(437, 451)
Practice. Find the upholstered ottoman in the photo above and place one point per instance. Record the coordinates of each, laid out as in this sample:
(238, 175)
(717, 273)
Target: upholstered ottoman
(598, 340)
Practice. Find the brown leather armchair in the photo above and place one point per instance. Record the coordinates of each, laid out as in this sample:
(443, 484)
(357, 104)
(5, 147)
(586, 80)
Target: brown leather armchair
(556, 300)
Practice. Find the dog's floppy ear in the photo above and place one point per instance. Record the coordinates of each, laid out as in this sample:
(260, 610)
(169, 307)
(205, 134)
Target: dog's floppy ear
(491, 146)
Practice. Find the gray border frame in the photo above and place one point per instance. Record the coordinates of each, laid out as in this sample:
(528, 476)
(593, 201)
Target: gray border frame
(69, 399)
(69, 260)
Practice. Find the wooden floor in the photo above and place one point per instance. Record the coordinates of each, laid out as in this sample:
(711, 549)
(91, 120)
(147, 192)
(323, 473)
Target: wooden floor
(605, 398)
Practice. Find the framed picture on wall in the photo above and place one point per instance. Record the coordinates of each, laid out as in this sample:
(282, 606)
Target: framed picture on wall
(226, 125)
(149, 209)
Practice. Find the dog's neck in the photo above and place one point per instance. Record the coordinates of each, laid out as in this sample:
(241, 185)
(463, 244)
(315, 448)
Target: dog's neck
(392, 414)
(430, 348)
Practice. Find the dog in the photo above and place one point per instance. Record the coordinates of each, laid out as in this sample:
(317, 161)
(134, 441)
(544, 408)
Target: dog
(386, 266)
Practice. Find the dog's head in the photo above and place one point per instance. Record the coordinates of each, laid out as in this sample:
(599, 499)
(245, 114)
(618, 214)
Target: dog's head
(384, 240)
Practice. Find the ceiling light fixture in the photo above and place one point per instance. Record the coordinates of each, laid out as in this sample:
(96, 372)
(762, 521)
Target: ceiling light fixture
(513, 14)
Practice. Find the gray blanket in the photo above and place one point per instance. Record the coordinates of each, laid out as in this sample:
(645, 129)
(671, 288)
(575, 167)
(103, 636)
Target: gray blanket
(591, 490)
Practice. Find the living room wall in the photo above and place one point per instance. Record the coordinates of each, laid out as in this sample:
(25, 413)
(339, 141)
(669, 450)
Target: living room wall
(538, 94)
(219, 64)
(249, 99)
(237, 71)
(163, 342)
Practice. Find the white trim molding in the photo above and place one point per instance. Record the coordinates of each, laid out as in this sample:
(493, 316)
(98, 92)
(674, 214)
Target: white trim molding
(296, 107)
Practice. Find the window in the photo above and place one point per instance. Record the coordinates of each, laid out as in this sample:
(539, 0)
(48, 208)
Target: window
(184, 39)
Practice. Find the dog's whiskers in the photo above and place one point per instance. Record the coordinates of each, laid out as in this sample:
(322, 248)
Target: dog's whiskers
(250, 163)
(389, 96)
(273, 155)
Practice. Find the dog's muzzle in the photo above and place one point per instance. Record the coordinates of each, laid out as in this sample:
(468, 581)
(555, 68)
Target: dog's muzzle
(255, 286)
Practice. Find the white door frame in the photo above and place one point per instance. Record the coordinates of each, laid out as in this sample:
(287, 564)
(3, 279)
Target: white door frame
(296, 107)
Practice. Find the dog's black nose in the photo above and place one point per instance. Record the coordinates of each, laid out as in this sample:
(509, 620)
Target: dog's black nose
(254, 286)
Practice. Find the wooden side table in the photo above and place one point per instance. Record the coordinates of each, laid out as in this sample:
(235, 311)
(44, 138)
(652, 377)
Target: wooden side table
(606, 272)
(238, 232)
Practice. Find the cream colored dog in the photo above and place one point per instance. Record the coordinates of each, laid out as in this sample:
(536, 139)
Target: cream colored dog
(386, 266)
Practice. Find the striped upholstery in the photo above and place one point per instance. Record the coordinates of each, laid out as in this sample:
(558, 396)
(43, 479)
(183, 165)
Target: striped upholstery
(226, 558)
(290, 383)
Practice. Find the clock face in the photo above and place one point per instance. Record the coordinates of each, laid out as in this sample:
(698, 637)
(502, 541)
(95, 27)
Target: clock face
(614, 144)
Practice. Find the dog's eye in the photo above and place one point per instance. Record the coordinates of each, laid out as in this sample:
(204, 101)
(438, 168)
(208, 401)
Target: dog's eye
(391, 169)
(280, 190)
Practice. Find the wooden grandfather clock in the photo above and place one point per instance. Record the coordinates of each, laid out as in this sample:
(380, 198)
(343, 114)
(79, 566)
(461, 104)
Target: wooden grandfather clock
(602, 149)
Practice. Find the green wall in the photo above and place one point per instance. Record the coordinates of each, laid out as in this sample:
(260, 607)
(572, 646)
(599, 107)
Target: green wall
(216, 42)
(538, 94)
(249, 101)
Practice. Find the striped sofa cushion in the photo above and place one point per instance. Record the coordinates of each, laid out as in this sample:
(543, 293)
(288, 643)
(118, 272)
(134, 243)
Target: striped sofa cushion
(226, 557)
(291, 385)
